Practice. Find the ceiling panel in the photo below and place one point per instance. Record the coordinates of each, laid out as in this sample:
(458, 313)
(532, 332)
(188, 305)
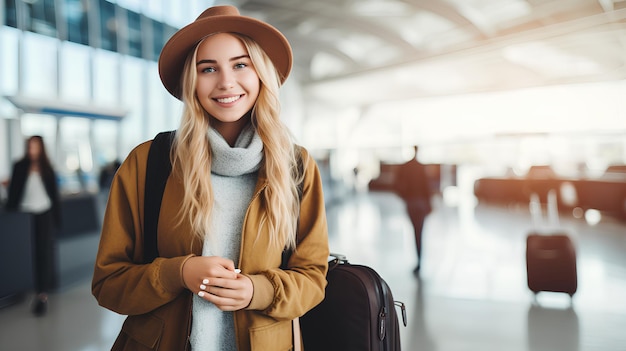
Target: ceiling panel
(366, 51)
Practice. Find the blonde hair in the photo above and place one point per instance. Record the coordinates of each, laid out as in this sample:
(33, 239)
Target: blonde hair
(191, 154)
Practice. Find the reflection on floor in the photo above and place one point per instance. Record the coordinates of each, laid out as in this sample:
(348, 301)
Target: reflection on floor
(471, 295)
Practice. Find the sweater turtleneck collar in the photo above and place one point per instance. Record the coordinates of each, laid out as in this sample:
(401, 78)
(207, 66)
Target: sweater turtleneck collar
(243, 158)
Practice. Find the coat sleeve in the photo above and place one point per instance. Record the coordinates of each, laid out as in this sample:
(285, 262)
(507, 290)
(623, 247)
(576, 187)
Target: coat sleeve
(121, 282)
(16, 185)
(293, 291)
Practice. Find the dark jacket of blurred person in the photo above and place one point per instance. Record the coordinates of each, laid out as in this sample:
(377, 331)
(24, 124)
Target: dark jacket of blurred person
(33, 189)
(106, 174)
(412, 185)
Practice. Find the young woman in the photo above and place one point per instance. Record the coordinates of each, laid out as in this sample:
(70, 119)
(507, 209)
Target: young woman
(33, 189)
(235, 200)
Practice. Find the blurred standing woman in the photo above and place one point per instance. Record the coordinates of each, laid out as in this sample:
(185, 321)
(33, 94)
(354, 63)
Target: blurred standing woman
(33, 189)
(240, 192)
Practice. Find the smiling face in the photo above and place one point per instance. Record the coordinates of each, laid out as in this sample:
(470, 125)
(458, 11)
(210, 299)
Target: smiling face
(227, 85)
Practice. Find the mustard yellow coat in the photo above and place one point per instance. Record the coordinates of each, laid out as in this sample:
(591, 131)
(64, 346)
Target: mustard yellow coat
(153, 295)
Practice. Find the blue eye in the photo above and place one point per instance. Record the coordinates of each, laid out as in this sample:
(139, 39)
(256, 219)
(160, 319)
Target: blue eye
(208, 70)
(241, 65)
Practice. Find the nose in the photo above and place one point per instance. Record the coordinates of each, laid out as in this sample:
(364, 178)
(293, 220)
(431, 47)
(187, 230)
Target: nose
(227, 80)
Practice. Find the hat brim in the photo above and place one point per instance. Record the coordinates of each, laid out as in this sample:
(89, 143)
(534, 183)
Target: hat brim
(175, 51)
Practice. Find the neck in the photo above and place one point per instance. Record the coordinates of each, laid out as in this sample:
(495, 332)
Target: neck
(230, 130)
(33, 165)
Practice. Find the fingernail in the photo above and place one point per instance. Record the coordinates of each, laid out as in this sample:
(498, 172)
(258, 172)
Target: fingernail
(202, 287)
(201, 293)
(205, 281)
(237, 270)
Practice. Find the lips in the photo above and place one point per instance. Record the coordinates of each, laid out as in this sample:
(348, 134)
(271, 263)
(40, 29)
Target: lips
(228, 100)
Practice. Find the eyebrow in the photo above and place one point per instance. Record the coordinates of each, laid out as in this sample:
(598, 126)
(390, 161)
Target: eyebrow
(230, 60)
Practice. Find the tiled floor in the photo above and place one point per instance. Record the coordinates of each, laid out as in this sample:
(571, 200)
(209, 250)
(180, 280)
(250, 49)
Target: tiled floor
(471, 295)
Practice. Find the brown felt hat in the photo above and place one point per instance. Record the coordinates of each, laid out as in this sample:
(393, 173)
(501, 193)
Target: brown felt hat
(220, 19)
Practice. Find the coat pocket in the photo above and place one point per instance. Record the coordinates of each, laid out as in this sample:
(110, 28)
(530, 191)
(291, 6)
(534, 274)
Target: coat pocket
(141, 332)
(273, 337)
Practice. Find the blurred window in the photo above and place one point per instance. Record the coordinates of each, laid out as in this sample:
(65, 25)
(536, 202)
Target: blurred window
(74, 155)
(133, 31)
(104, 142)
(74, 76)
(106, 78)
(39, 63)
(8, 60)
(40, 17)
(158, 40)
(109, 26)
(154, 9)
(77, 21)
(10, 15)
(133, 5)
(133, 125)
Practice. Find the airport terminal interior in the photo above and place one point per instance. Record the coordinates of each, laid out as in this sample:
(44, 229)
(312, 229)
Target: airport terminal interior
(517, 107)
(471, 293)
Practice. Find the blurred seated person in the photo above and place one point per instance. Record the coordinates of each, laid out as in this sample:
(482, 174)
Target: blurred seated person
(541, 171)
(106, 174)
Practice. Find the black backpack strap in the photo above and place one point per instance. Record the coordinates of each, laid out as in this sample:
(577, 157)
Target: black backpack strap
(158, 170)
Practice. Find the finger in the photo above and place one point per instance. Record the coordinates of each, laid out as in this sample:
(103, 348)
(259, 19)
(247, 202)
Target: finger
(228, 299)
(216, 271)
(221, 283)
(223, 273)
(203, 286)
(226, 293)
(223, 303)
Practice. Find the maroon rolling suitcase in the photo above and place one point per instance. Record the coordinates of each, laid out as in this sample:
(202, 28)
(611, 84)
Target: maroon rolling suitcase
(551, 263)
(358, 312)
(550, 254)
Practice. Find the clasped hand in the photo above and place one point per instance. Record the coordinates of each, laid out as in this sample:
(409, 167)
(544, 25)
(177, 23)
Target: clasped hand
(215, 280)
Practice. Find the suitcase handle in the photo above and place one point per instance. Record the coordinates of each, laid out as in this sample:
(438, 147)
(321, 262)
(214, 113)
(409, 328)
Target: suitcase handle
(402, 307)
(336, 259)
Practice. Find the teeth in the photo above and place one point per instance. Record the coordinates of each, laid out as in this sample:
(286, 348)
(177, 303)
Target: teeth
(228, 100)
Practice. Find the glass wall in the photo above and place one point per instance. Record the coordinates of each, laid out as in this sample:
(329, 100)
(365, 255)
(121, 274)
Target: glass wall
(74, 155)
(133, 125)
(40, 16)
(106, 78)
(99, 53)
(109, 26)
(8, 60)
(74, 73)
(133, 32)
(76, 16)
(158, 39)
(43, 54)
(10, 13)
(38, 66)
(117, 27)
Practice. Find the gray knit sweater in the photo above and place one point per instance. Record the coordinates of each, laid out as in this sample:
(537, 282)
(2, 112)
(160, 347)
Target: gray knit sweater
(234, 173)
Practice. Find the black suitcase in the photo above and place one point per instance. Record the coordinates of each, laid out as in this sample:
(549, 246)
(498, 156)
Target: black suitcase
(358, 312)
(550, 252)
(551, 263)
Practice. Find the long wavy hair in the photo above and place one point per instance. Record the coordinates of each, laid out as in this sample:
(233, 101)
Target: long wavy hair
(191, 154)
